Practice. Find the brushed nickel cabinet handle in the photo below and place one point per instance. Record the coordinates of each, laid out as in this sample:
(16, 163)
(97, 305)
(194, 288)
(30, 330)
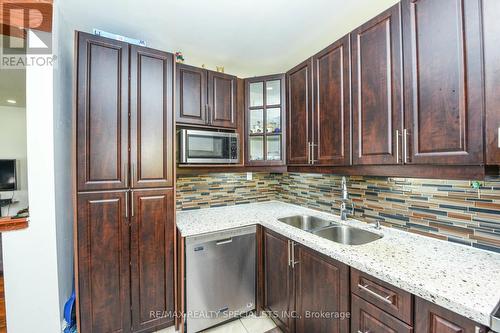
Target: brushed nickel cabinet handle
(364, 331)
(293, 262)
(312, 152)
(498, 137)
(288, 249)
(126, 204)
(380, 297)
(397, 146)
(132, 202)
(405, 145)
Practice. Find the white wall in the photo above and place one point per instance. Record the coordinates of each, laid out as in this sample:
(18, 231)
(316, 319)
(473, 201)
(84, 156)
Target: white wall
(30, 255)
(13, 146)
(63, 113)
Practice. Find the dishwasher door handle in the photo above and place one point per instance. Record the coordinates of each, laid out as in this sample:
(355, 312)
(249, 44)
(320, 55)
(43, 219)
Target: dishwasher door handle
(224, 241)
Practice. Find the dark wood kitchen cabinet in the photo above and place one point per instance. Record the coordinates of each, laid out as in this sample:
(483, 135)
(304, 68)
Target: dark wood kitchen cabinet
(301, 284)
(191, 95)
(430, 318)
(152, 256)
(206, 98)
(278, 285)
(332, 112)
(365, 317)
(102, 113)
(322, 290)
(151, 118)
(376, 88)
(444, 81)
(491, 35)
(124, 238)
(299, 116)
(103, 262)
(222, 100)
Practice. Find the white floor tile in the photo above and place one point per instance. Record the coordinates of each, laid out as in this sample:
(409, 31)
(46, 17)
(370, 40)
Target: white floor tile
(234, 326)
(171, 329)
(255, 324)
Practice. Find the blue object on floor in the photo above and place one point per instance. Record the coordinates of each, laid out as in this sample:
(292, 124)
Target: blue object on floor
(70, 313)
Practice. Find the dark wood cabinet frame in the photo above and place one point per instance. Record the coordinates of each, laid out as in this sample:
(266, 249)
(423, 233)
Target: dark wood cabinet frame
(264, 107)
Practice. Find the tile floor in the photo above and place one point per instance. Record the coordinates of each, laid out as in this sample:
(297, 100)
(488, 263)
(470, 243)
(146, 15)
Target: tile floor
(249, 324)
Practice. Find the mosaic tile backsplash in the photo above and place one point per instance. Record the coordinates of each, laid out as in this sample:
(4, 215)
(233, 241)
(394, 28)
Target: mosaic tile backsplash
(445, 209)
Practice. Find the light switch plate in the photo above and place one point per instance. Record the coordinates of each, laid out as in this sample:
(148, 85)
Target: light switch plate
(249, 176)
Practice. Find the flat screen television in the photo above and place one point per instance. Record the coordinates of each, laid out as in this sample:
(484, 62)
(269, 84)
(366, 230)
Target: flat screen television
(8, 179)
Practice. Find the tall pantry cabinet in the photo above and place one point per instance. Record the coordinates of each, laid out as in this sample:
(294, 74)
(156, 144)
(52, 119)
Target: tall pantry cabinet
(124, 231)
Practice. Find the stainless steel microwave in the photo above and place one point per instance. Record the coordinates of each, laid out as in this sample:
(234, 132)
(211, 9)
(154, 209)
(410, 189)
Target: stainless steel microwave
(207, 147)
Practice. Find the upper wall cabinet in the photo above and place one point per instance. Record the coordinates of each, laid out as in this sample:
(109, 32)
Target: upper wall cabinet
(299, 117)
(191, 88)
(151, 118)
(105, 67)
(332, 113)
(205, 98)
(265, 117)
(376, 87)
(491, 33)
(444, 86)
(222, 100)
(102, 113)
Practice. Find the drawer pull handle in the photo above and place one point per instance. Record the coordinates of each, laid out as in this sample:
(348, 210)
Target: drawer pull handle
(224, 241)
(364, 331)
(386, 299)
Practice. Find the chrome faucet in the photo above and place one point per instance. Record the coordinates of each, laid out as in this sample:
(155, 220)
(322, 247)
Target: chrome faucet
(345, 198)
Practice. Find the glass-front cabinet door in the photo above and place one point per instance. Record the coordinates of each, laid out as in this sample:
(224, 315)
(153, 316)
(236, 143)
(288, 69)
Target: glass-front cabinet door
(265, 112)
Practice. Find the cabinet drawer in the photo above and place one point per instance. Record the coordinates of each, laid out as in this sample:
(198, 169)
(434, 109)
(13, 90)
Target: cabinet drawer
(392, 300)
(366, 317)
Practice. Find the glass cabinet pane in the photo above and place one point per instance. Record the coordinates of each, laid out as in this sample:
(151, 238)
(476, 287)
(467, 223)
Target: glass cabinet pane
(273, 121)
(274, 147)
(257, 94)
(256, 148)
(273, 92)
(256, 121)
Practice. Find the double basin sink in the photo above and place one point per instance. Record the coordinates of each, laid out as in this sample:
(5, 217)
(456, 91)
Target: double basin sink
(330, 230)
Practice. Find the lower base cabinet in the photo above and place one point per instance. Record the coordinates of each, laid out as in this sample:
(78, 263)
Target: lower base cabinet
(322, 293)
(278, 285)
(125, 242)
(431, 318)
(304, 290)
(366, 317)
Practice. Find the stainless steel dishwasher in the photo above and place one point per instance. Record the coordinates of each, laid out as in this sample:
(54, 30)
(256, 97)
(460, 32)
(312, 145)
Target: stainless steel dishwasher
(220, 277)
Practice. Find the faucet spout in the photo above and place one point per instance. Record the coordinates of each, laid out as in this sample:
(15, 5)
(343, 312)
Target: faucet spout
(345, 198)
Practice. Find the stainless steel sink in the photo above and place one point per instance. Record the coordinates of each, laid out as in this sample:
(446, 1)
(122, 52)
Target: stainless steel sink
(306, 222)
(347, 235)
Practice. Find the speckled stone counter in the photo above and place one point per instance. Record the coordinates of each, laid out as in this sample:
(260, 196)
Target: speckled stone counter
(460, 278)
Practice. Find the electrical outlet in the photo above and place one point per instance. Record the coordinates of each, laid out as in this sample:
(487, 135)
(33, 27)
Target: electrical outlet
(249, 176)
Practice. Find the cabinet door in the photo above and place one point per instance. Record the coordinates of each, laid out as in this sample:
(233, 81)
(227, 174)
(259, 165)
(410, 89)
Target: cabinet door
(491, 33)
(278, 289)
(376, 85)
(151, 118)
(430, 318)
(332, 120)
(191, 95)
(322, 289)
(299, 95)
(103, 262)
(152, 258)
(443, 81)
(222, 111)
(366, 317)
(102, 113)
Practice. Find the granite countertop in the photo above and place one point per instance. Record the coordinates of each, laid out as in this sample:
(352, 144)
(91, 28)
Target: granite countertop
(457, 277)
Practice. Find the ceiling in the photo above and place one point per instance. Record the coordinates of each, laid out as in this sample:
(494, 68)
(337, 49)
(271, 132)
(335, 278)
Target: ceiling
(12, 85)
(247, 37)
